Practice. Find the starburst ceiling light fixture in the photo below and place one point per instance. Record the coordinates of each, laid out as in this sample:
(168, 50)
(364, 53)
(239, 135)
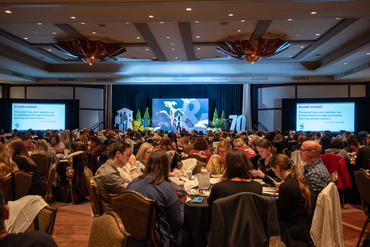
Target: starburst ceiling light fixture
(90, 51)
(253, 50)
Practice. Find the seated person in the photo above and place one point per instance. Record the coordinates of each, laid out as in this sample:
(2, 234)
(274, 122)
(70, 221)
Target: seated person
(96, 146)
(129, 171)
(43, 149)
(216, 163)
(17, 151)
(184, 140)
(201, 148)
(6, 164)
(142, 156)
(240, 144)
(296, 202)
(154, 184)
(55, 144)
(165, 144)
(266, 150)
(236, 178)
(29, 239)
(107, 177)
(27, 140)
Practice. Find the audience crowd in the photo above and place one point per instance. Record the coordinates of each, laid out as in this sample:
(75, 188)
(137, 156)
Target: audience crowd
(143, 161)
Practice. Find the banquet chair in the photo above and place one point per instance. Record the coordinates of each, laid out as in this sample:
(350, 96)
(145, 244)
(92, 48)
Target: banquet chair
(243, 219)
(188, 148)
(92, 189)
(196, 156)
(327, 215)
(42, 163)
(108, 231)
(44, 220)
(16, 185)
(363, 184)
(138, 214)
(48, 186)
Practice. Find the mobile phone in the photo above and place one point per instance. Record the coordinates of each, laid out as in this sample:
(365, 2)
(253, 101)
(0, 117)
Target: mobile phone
(198, 199)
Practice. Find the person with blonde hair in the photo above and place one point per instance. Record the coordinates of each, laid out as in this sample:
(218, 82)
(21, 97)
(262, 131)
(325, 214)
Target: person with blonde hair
(264, 171)
(6, 164)
(142, 156)
(43, 149)
(240, 144)
(216, 163)
(17, 151)
(296, 202)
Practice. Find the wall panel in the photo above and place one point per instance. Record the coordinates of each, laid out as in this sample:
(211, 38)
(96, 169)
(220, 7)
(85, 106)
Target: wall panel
(90, 97)
(49, 92)
(270, 97)
(17, 92)
(358, 91)
(90, 117)
(316, 91)
(271, 119)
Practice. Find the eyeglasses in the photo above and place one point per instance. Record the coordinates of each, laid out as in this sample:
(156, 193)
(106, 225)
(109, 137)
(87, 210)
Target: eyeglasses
(303, 150)
(149, 152)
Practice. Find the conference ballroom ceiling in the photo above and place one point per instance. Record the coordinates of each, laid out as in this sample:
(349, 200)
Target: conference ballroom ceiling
(175, 42)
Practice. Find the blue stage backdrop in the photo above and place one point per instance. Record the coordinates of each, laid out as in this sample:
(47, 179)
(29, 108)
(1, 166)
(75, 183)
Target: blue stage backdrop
(228, 97)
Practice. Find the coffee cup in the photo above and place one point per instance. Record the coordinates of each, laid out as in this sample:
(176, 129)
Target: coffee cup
(189, 174)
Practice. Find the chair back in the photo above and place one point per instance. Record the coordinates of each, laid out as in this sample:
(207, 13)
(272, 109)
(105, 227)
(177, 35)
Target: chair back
(138, 214)
(108, 231)
(363, 185)
(235, 214)
(48, 186)
(92, 188)
(16, 185)
(188, 148)
(44, 220)
(42, 163)
(196, 156)
(215, 144)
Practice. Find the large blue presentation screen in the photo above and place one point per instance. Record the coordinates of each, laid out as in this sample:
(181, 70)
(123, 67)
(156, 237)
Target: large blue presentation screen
(326, 116)
(176, 114)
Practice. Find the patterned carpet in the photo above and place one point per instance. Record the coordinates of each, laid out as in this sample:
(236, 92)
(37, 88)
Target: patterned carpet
(72, 225)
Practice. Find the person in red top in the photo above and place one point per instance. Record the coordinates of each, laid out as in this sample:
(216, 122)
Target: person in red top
(201, 148)
(240, 144)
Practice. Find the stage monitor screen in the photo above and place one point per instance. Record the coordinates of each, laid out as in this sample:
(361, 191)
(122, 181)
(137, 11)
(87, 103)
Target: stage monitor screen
(176, 114)
(38, 116)
(325, 116)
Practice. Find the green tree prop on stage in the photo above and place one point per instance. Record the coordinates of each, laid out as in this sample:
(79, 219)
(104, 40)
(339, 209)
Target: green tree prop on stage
(222, 120)
(146, 115)
(138, 116)
(215, 119)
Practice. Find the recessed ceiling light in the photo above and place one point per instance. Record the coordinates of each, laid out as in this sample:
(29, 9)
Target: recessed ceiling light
(127, 22)
(82, 23)
(49, 49)
(290, 19)
(72, 17)
(313, 13)
(153, 57)
(168, 37)
(197, 37)
(228, 57)
(188, 9)
(151, 16)
(196, 21)
(147, 49)
(8, 11)
(25, 38)
(345, 63)
(239, 31)
(302, 47)
(138, 37)
(317, 34)
(282, 30)
(297, 35)
(231, 15)
(199, 57)
(177, 58)
(54, 33)
(368, 53)
(242, 20)
(172, 43)
(93, 32)
(290, 56)
(198, 48)
(337, 18)
(172, 49)
(162, 22)
(39, 23)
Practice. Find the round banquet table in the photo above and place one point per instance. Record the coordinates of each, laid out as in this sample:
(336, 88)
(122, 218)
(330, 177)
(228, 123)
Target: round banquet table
(198, 218)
